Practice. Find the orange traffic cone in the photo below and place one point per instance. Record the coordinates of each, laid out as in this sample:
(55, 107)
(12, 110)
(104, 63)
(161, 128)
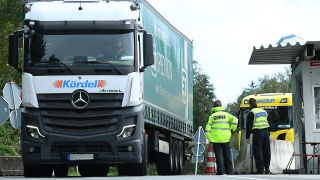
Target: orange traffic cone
(211, 162)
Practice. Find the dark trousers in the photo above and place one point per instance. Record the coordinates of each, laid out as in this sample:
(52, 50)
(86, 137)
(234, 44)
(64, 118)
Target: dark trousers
(223, 157)
(261, 149)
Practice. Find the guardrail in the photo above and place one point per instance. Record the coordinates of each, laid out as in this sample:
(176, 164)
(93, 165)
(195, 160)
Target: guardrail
(11, 166)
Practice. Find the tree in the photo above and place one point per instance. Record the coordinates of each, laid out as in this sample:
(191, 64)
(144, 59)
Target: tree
(278, 82)
(11, 16)
(11, 20)
(203, 96)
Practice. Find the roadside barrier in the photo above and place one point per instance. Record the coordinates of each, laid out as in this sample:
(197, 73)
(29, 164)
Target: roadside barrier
(211, 162)
(11, 166)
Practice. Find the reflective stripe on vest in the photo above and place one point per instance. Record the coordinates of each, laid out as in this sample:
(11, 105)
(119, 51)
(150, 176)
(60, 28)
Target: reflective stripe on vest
(218, 127)
(260, 118)
(220, 122)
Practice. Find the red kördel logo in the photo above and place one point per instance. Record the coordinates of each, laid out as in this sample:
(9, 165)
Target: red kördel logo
(79, 84)
(58, 84)
(102, 83)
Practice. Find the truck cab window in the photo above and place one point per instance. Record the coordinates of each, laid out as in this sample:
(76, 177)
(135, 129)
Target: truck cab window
(82, 49)
(37, 48)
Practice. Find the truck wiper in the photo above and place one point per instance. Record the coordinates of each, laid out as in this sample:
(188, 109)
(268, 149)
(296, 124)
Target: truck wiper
(67, 67)
(104, 62)
(53, 60)
(57, 61)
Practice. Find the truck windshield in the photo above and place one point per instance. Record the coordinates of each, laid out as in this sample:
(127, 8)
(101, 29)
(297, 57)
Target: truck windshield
(78, 50)
(280, 117)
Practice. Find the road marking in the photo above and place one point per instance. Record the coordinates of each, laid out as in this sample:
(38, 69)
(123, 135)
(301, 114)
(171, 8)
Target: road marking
(240, 177)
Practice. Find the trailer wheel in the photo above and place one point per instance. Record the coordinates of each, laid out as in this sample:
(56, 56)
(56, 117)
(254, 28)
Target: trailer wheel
(93, 170)
(181, 154)
(172, 157)
(176, 156)
(32, 170)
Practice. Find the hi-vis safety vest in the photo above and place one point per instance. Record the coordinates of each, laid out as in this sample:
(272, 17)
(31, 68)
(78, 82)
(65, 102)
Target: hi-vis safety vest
(260, 118)
(219, 126)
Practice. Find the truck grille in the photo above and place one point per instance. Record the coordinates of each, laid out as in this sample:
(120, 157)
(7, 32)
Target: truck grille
(100, 115)
(79, 148)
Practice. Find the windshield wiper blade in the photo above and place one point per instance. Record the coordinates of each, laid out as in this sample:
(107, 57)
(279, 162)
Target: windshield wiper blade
(104, 62)
(67, 67)
(54, 60)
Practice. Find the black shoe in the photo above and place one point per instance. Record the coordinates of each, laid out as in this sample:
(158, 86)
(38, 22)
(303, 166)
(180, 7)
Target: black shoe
(268, 171)
(259, 172)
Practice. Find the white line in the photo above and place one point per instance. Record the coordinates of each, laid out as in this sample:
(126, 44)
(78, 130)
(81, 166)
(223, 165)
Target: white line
(246, 178)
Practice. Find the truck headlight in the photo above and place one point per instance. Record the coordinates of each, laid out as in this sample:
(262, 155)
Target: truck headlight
(33, 132)
(127, 131)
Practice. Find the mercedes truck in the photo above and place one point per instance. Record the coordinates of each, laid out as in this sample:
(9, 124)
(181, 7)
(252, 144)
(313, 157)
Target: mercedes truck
(87, 105)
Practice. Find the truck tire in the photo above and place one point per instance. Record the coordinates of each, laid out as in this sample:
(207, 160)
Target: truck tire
(141, 168)
(32, 170)
(181, 155)
(176, 157)
(61, 171)
(122, 170)
(90, 170)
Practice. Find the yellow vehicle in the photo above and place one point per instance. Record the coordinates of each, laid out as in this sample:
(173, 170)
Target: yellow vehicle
(279, 108)
(280, 117)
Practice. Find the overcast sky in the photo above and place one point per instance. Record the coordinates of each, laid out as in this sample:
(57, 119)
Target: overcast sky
(225, 31)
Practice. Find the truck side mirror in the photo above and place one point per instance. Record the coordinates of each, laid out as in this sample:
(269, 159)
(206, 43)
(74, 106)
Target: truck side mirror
(148, 57)
(13, 50)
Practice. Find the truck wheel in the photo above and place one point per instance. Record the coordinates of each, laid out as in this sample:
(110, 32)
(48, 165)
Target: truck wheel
(122, 170)
(176, 156)
(171, 157)
(93, 170)
(31, 170)
(180, 158)
(61, 171)
(140, 169)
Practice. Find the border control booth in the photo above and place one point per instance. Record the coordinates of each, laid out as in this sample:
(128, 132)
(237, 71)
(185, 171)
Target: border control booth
(304, 59)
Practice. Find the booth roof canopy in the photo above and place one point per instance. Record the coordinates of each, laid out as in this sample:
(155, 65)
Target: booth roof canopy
(279, 54)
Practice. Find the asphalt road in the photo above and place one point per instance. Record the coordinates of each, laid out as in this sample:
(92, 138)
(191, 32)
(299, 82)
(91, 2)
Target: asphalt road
(191, 177)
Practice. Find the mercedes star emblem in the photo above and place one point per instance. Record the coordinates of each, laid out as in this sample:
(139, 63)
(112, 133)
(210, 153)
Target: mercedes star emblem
(80, 99)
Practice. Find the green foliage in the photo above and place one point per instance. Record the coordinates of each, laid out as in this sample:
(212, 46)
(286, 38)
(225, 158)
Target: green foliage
(9, 140)
(279, 82)
(11, 20)
(203, 96)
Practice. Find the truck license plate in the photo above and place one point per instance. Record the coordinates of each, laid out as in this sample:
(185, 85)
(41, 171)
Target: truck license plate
(75, 157)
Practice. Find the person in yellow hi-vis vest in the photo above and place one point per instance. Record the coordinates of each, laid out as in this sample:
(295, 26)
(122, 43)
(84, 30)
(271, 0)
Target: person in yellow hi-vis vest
(257, 123)
(218, 131)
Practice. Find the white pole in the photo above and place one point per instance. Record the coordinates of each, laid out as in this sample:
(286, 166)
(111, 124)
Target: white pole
(197, 155)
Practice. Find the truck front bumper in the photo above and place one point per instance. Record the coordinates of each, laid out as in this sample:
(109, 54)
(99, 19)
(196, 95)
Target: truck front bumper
(84, 148)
